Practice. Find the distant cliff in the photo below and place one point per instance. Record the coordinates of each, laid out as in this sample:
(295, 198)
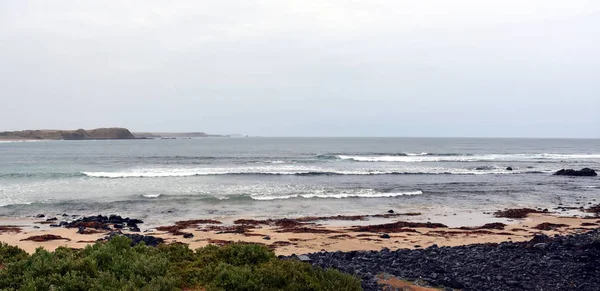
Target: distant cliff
(80, 134)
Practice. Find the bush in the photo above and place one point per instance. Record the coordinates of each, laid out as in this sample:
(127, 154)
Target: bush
(115, 265)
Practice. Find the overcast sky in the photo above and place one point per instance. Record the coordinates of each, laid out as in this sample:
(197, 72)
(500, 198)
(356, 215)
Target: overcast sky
(509, 68)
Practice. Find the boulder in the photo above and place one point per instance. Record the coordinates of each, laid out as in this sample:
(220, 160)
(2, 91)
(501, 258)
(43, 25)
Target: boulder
(585, 172)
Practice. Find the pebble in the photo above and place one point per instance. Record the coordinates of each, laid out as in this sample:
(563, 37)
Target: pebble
(544, 263)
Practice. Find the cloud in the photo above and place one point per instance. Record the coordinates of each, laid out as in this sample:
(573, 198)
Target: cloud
(303, 67)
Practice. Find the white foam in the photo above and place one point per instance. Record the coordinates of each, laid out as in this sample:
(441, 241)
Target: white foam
(424, 157)
(269, 197)
(151, 195)
(366, 194)
(287, 170)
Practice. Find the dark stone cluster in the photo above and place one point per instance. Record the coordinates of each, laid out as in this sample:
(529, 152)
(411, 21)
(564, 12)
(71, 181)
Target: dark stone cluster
(101, 222)
(585, 172)
(543, 263)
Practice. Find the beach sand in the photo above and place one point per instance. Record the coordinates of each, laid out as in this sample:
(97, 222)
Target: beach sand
(296, 236)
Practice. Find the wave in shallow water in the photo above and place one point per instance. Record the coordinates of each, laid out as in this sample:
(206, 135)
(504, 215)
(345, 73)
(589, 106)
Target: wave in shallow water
(41, 175)
(150, 199)
(425, 157)
(300, 172)
(337, 195)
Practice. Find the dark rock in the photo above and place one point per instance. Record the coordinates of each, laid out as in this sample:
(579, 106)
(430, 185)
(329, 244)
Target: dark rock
(118, 226)
(390, 211)
(52, 219)
(267, 238)
(585, 172)
(509, 168)
(40, 216)
(385, 235)
(134, 229)
(543, 263)
(188, 235)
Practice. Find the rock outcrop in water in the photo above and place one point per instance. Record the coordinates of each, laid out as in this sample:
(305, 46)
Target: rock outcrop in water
(79, 134)
(585, 172)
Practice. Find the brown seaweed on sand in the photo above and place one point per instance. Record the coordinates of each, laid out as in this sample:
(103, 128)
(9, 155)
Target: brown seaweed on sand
(515, 213)
(180, 225)
(45, 237)
(399, 226)
(9, 228)
(549, 226)
(494, 225)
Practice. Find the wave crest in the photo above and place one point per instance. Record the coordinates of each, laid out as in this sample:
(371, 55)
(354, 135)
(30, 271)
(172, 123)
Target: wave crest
(283, 171)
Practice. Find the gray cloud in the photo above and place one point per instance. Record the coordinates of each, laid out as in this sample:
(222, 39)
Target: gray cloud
(340, 68)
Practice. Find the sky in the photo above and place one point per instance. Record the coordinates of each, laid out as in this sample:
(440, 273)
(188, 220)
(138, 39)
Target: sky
(461, 68)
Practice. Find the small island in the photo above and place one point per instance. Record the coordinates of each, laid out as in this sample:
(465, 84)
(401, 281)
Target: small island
(79, 134)
(98, 134)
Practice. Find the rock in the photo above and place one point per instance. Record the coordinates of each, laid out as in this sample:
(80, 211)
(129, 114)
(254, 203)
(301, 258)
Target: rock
(385, 235)
(40, 216)
(509, 168)
(390, 211)
(585, 172)
(267, 238)
(188, 235)
(134, 229)
(543, 263)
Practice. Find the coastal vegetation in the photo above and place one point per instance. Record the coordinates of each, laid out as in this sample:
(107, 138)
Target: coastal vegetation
(116, 265)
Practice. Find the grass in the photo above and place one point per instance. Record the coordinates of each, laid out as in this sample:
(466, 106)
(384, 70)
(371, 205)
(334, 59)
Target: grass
(115, 265)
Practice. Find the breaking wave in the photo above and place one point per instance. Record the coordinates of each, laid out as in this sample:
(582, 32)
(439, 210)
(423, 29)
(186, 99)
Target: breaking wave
(336, 195)
(41, 175)
(427, 157)
(163, 173)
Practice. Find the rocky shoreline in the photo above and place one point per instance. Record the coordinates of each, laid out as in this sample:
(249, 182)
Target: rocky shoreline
(569, 262)
(536, 249)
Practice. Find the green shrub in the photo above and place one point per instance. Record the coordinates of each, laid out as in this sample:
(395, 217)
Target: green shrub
(9, 254)
(115, 265)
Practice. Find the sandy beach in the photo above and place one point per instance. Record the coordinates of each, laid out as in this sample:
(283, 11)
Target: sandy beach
(310, 234)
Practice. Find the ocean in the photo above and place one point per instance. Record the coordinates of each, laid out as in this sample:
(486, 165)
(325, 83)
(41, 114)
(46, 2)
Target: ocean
(163, 180)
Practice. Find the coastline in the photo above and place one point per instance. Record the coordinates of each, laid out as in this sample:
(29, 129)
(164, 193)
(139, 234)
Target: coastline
(309, 234)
